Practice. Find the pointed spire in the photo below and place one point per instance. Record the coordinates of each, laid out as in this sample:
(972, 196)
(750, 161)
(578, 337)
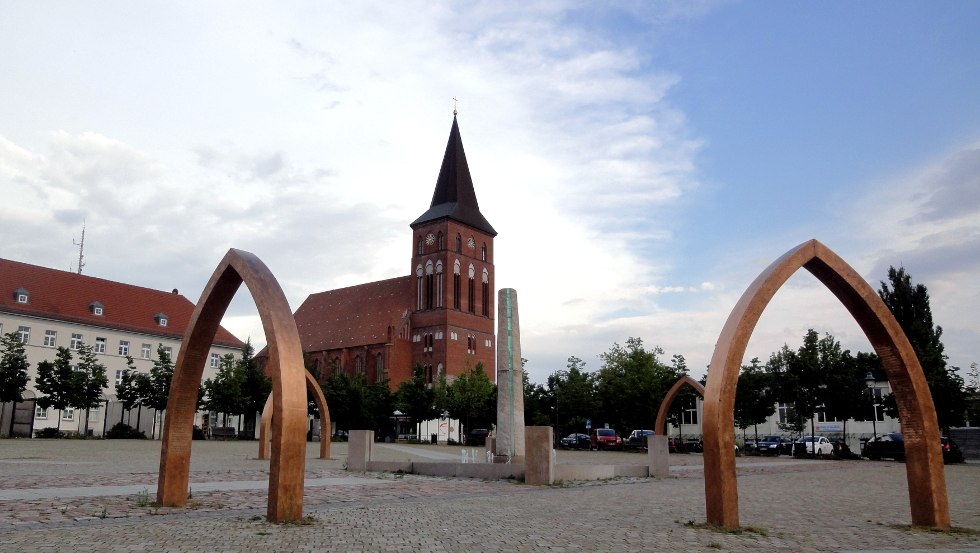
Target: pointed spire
(454, 196)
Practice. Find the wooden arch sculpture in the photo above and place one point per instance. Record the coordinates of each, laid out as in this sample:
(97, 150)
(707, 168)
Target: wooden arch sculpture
(917, 414)
(661, 424)
(285, 367)
(321, 402)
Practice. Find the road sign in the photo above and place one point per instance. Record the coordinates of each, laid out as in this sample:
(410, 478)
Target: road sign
(588, 424)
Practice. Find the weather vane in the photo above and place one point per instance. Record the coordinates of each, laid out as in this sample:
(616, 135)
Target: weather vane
(455, 101)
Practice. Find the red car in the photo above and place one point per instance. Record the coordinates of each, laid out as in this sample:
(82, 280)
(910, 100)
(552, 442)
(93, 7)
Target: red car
(606, 438)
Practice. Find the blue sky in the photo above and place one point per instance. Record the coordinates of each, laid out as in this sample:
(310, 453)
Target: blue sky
(642, 161)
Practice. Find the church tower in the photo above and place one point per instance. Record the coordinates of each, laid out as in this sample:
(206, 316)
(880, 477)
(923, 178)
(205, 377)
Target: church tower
(452, 275)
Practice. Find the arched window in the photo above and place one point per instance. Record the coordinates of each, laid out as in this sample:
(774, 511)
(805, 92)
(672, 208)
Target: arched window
(439, 284)
(419, 297)
(486, 293)
(358, 365)
(441, 241)
(471, 299)
(429, 285)
(336, 365)
(459, 244)
(379, 366)
(420, 250)
(483, 252)
(457, 292)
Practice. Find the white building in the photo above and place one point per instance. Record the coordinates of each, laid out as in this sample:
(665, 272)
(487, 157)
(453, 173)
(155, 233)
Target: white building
(51, 308)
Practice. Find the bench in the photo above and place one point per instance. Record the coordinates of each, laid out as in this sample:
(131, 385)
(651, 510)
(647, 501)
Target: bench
(224, 432)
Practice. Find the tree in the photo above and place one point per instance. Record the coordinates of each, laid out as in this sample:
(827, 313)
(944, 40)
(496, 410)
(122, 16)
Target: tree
(973, 394)
(13, 368)
(127, 391)
(754, 401)
(631, 385)
(161, 374)
(909, 303)
(472, 399)
(55, 382)
(415, 398)
(224, 391)
(538, 404)
(88, 381)
(573, 391)
(255, 385)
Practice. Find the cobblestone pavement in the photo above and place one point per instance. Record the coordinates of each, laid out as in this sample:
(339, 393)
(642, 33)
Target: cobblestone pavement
(785, 505)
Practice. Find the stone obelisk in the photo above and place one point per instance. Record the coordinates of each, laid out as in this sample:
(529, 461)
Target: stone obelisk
(510, 379)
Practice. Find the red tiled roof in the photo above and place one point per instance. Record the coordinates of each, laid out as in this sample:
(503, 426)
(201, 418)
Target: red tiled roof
(65, 296)
(354, 316)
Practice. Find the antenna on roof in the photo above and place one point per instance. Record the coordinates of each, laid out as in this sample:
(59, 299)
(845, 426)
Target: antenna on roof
(455, 101)
(81, 249)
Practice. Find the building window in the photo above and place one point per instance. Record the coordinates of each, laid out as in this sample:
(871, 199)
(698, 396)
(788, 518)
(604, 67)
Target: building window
(96, 308)
(40, 413)
(419, 273)
(419, 248)
(215, 360)
(429, 286)
(123, 347)
(93, 414)
(457, 293)
(24, 333)
(358, 365)
(439, 284)
(441, 241)
(483, 252)
(379, 365)
(161, 319)
(486, 293)
(169, 351)
(100, 345)
(782, 410)
(50, 338)
(68, 414)
(145, 351)
(459, 244)
(119, 376)
(336, 365)
(22, 295)
(470, 344)
(76, 341)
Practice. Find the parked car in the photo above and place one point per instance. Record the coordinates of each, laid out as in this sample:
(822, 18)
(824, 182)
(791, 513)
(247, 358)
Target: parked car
(637, 439)
(892, 446)
(478, 437)
(813, 445)
(606, 438)
(576, 441)
(698, 446)
(773, 445)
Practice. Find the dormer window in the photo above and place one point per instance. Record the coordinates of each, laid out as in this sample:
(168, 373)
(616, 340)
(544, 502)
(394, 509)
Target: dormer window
(96, 308)
(161, 319)
(21, 295)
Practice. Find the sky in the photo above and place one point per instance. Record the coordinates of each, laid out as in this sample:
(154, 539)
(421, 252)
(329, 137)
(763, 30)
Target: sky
(642, 162)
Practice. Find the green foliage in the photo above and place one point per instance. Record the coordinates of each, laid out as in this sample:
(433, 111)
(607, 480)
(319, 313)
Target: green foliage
(13, 368)
(539, 404)
(224, 391)
(472, 400)
(415, 398)
(357, 405)
(255, 385)
(122, 431)
(973, 394)
(754, 400)
(161, 374)
(127, 391)
(909, 303)
(631, 385)
(54, 381)
(573, 391)
(88, 380)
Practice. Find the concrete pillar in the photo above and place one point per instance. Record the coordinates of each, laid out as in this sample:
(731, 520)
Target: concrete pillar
(539, 462)
(657, 451)
(359, 446)
(510, 378)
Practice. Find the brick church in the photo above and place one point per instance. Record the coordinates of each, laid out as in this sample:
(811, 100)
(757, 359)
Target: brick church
(439, 316)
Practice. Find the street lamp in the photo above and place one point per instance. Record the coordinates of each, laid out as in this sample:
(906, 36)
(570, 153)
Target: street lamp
(869, 379)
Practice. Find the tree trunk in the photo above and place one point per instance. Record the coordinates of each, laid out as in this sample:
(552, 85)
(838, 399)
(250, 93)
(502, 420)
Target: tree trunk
(59, 421)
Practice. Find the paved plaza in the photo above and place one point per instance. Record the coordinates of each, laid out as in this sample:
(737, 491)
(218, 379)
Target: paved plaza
(87, 496)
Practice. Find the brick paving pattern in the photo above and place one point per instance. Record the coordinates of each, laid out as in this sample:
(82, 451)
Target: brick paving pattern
(786, 505)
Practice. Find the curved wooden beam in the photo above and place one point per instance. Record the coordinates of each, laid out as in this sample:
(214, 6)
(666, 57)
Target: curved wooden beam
(661, 423)
(285, 366)
(917, 414)
(321, 402)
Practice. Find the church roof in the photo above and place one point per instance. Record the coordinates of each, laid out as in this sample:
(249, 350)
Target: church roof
(70, 297)
(354, 316)
(455, 197)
